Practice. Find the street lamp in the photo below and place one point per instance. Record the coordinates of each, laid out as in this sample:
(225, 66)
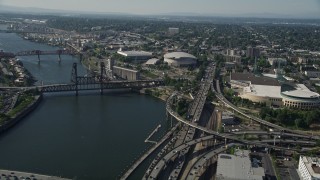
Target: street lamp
(274, 139)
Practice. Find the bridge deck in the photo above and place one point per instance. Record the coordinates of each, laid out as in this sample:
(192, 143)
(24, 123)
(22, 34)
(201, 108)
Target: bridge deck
(7, 174)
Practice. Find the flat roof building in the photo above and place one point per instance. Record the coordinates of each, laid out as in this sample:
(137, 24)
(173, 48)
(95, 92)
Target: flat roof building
(153, 61)
(252, 79)
(238, 166)
(309, 168)
(127, 74)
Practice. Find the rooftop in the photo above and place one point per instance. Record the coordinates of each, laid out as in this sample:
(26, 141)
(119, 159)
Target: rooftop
(312, 165)
(264, 91)
(254, 79)
(178, 55)
(131, 70)
(152, 61)
(301, 91)
(237, 166)
(134, 53)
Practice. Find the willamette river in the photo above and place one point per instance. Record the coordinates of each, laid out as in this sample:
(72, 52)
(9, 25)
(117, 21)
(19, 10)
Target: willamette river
(85, 137)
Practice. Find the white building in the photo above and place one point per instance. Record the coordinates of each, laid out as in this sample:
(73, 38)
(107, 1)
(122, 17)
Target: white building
(269, 91)
(309, 168)
(300, 97)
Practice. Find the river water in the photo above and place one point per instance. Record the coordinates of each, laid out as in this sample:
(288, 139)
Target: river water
(85, 137)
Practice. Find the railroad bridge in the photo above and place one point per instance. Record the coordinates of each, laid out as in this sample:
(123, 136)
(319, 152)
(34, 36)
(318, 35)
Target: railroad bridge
(95, 82)
(69, 50)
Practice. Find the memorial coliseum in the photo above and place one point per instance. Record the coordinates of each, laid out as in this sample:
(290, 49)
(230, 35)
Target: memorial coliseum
(180, 59)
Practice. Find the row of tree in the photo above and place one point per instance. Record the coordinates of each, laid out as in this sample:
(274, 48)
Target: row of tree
(291, 117)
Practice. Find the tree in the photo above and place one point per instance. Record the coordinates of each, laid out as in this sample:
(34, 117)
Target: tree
(300, 123)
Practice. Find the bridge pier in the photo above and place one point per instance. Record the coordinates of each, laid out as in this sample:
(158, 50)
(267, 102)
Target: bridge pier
(80, 57)
(101, 89)
(74, 77)
(59, 58)
(39, 58)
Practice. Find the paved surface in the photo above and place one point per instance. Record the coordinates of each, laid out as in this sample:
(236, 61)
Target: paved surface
(200, 165)
(6, 174)
(144, 157)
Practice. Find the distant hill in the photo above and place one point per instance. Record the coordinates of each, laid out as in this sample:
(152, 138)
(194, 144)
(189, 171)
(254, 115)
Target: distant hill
(43, 11)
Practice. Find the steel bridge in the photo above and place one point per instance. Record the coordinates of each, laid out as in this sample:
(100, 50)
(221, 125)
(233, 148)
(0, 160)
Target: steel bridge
(102, 86)
(66, 51)
(95, 82)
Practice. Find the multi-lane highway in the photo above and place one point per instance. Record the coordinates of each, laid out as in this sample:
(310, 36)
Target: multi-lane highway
(236, 109)
(288, 136)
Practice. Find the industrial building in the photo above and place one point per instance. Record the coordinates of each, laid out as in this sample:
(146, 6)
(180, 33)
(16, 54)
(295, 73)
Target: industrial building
(124, 73)
(180, 59)
(309, 168)
(136, 55)
(238, 166)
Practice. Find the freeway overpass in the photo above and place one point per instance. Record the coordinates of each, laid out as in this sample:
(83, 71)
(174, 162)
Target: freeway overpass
(266, 123)
(222, 135)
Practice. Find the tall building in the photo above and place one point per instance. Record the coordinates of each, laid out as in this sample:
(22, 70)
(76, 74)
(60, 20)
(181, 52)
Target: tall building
(109, 67)
(232, 52)
(309, 168)
(253, 52)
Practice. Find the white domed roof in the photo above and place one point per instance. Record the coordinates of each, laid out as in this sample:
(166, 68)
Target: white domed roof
(179, 55)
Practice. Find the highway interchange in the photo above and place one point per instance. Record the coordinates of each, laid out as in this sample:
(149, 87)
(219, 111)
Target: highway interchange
(174, 160)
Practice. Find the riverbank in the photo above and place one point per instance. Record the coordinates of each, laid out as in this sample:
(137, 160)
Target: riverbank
(161, 93)
(20, 115)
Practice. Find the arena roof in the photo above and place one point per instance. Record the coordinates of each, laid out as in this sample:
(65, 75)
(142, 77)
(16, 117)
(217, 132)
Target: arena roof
(301, 94)
(301, 91)
(264, 91)
(178, 55)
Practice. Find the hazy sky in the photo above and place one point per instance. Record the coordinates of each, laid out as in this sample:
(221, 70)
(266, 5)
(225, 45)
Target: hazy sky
(288, 7)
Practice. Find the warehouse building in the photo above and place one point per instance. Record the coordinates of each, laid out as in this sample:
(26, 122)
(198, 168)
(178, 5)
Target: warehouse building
(238, 166)
(124, 73)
